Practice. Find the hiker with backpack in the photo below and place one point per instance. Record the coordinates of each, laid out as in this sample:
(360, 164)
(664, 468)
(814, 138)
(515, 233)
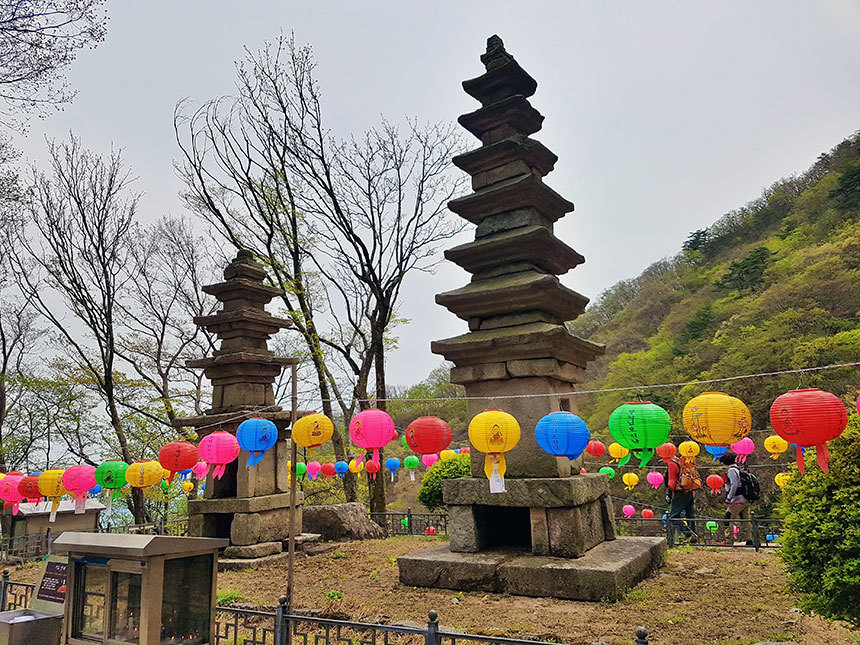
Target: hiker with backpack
(682, 482)
(742, 490)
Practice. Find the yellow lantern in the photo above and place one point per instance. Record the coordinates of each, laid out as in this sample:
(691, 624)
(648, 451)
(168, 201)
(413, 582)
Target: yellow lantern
(688, 449)
(716, 419)
(51, 485)
(630, 480)
(165, 474)
(617, 451)
(142, 474)
(355, 467)
(312, 430)
(494, 432)
(781, 479)
(447, 454)
(187, 486)
(775, 445)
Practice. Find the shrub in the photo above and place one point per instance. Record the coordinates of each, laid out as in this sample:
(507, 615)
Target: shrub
(430, 492)
(821, 545)
(228, 597)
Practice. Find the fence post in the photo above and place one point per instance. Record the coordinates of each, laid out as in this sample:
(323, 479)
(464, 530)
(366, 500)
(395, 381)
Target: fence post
(670, 532)
(409, 521)
(48, 540)
(641, 636)
(432, 635)
(755, 536)
(4, 589)
(279, 622)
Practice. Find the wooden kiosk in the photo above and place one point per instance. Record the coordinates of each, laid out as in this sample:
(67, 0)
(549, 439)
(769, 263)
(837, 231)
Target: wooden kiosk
(146, 589)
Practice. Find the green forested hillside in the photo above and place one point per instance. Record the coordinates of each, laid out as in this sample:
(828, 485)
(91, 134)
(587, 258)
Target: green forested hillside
(773, 285)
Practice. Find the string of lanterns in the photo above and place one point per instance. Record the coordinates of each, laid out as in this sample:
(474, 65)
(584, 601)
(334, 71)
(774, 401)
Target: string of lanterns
(803, 418)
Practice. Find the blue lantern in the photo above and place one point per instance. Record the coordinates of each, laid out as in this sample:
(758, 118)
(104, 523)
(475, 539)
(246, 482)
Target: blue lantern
(716, 451)
(256, 436)
(562, 434)
(392, 463)
(341, 468)
(95, 490)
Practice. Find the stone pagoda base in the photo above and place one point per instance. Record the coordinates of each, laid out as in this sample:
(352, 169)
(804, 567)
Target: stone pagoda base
(603, 573)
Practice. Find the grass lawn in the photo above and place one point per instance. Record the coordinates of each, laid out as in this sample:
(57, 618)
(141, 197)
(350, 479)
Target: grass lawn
(700, 596)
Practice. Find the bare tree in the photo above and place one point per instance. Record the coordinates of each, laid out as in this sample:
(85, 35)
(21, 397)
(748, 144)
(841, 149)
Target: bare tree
(339, 223)
(71, 255)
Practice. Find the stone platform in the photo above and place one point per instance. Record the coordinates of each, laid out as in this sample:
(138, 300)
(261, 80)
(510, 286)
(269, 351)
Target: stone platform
(605, 572)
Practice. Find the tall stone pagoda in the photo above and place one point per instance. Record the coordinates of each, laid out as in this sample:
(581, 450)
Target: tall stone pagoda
(551, 533)
(249, 506)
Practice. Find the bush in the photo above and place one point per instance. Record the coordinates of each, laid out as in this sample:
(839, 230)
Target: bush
(821, 545)
(430, 492)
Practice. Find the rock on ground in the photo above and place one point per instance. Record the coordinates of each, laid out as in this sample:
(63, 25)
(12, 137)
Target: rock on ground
(341, 522)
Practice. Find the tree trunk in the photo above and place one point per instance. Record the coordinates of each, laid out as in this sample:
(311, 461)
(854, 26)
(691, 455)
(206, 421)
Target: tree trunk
(377, 486)
(136, 503)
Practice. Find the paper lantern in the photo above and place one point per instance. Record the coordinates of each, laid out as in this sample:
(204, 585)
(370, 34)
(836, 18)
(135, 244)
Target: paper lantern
(809, 417)
(301, 469)
(312, 430)
(688, 449)
(775, 445)
(655, 479)
(711, 526)
(447, 454)
(28, 487)
(328, 470)
(111, 475)
(640, 426)
(716, 451)
(595, 448)
(144, 473)
(628, 510)
(583, 471)
(427, 435)
(51, 486)
(715, 482)
(355, 467)
(716, 419)
(429, 460)
(341, 468)
(78, 480)
(200, 470)
(313, 469)
(411, 462)
(647, 513)
(95, 490)
(666, 451)
(10, 494)
(465, 450)
(392, 464)
(619, 453)
(494, 432)
(218, 449)
(562, 434)
(630, 480)
(608, 470)
(256, 436)
(781, 479)
(187, 486)
(743, 448)
(372, 467)
(372, 429)
(176, 456)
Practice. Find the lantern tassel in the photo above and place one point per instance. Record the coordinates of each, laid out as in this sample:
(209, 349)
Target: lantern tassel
(412, 475)
(80, 503)
(108, 506)
(55, 504)
(644, 456)
(15, 508)
(170, 477)
(376, 454)
(623, 461)
(218, 471)
(392, 476)
(800, 463)
(495, 468)
(822, 456)
(254, 458)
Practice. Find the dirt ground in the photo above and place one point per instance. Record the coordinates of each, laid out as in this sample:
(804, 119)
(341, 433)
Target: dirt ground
(700, 596)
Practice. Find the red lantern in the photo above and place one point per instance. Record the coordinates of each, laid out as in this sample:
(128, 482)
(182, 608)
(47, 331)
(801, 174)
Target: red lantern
(372, 467)
(428, 435)
(595, 448)
(715, 482)
(29, 488)
(647, 513)
(809, 417)
(176, 456)
(328, 470)
(666, 451)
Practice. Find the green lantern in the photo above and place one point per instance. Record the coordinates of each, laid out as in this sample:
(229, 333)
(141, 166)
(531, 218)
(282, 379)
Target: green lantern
(301, 469)
(639, 426)
(711, 526)
(608, 470)
(164, 485)
(111, 476)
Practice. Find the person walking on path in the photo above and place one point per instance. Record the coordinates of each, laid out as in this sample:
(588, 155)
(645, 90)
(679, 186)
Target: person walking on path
(683, 482)
(737, 505)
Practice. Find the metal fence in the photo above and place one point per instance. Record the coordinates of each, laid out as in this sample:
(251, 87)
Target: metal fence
(709, 531)
(410, 523)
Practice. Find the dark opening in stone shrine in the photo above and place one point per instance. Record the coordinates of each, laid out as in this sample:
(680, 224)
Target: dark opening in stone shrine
(503, 527)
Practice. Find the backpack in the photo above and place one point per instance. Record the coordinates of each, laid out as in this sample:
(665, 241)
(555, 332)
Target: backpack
(748, 486)
(688, 476)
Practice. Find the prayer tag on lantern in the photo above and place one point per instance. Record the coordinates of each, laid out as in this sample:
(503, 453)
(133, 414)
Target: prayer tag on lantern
(494, 432)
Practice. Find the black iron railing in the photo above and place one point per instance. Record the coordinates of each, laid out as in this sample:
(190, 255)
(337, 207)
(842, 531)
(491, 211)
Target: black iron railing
(409, 523)
(708, 531)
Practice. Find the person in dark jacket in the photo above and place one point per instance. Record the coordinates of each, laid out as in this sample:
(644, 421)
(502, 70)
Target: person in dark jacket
(737, 506)
(681, 502)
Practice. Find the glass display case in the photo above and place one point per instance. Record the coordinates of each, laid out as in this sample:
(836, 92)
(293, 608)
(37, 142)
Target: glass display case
(144, 589)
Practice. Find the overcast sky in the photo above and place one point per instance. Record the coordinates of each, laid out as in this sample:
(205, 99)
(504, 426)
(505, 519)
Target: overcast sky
(664, 115)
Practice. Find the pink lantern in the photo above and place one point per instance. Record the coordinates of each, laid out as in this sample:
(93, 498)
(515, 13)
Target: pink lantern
(9, 492)
(372, 429)
(655, 479)
(628, 510)
(200, 470)
(743, 448)
(218, 449)
(465, 450)
(647, 513)
(78, 480)
(313, 469)
(429, 460)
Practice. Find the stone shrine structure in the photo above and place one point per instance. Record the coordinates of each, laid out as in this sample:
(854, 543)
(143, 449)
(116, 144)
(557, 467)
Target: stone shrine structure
(250, 506)
(551, 533)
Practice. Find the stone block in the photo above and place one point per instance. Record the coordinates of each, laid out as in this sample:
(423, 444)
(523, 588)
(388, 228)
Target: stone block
(243, 504)
(265, 526)
(341, 522)
(540, 531)
(546, 367)
(509, 220)
(478, 373)
(529, 493)
(253, 550)
(462, 529)
(575, 530)
(608, 515)
(438, 567)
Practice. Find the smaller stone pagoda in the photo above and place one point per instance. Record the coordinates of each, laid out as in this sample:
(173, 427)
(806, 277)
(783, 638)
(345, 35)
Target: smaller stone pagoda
(250, 506)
